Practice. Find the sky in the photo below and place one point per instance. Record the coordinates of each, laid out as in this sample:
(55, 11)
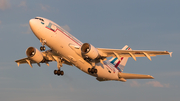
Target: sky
(140, 24)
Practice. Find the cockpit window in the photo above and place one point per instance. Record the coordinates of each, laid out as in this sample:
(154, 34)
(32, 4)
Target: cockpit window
(39, 19)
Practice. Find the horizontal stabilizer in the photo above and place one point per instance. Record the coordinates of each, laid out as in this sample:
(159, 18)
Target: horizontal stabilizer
(123, 76)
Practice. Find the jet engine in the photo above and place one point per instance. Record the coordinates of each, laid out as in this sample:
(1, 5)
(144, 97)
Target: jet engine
(89, 51)
(34, 54)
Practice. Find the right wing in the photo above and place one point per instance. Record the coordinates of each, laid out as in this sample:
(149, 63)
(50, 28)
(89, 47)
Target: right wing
(131, 53)
(48, 56)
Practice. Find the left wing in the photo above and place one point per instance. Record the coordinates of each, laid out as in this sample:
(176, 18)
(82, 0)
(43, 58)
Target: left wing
(48, 56)
(130, 53)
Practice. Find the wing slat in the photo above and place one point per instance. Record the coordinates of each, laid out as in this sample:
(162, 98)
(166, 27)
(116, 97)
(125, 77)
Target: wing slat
(132, 53)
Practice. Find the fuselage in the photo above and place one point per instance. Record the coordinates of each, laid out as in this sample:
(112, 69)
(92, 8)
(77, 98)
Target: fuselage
(61, 42)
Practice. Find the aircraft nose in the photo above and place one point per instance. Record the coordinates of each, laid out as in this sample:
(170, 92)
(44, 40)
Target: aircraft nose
(34, 26)
(32, 23)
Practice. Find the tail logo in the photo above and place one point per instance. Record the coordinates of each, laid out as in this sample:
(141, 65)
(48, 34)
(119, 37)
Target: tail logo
(117, 62)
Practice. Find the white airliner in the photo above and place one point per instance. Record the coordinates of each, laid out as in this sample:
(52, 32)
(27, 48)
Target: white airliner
(66, 49)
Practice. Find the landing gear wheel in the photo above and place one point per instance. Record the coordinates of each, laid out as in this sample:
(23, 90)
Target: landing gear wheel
(58, 72)
(62, 73)
(95, 71)
(89, 70)
(55, 72)
(92, 70)
(42, 48)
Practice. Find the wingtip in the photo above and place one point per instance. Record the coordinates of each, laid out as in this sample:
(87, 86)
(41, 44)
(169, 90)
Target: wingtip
(18, 64)
(170, 53)
(151, 77)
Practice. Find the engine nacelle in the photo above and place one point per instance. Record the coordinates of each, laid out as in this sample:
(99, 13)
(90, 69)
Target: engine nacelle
(90, 51)
(34, 54)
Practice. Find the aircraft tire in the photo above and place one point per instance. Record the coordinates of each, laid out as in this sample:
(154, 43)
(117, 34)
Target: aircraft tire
(62, 73)
(95, 70)
(58, 72)
(92, 70)
(89, 70)
(42, 48)
(55, 72)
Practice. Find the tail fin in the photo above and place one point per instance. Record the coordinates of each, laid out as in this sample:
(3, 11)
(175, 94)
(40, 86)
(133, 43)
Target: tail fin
(120, 64)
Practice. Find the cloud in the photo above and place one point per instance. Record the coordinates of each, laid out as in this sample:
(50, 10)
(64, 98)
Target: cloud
(23, 4)
(135, 84)
(4, 4)
(24, 25)
(66, 27)
(47, 87)
(0, 22)
(27, 28)
(6, 65)
(157, 84)
(4, 78)
(44, 7)
(169, 73)
(150, 83)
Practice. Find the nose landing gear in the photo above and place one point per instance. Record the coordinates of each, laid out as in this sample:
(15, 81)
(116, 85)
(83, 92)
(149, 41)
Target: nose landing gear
(43, 42)
(42, 48)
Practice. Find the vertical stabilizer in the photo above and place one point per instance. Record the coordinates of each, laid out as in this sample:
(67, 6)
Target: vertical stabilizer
(120, 64)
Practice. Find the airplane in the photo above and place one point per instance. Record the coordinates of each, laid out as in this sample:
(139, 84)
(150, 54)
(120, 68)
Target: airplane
(66, 49)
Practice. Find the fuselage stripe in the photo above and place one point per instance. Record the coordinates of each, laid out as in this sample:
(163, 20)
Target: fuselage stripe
(64, 34)
(109, 68)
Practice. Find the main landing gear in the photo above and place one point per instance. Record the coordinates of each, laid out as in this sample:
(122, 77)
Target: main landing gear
(92, 70)
(59, 65)
(58, 72)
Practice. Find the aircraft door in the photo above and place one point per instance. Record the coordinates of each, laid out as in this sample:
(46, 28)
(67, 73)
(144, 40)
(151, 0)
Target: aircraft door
(54, 29)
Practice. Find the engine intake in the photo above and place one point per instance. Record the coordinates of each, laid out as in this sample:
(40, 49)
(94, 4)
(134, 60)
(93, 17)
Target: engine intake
(89, 50)
(34, 54)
